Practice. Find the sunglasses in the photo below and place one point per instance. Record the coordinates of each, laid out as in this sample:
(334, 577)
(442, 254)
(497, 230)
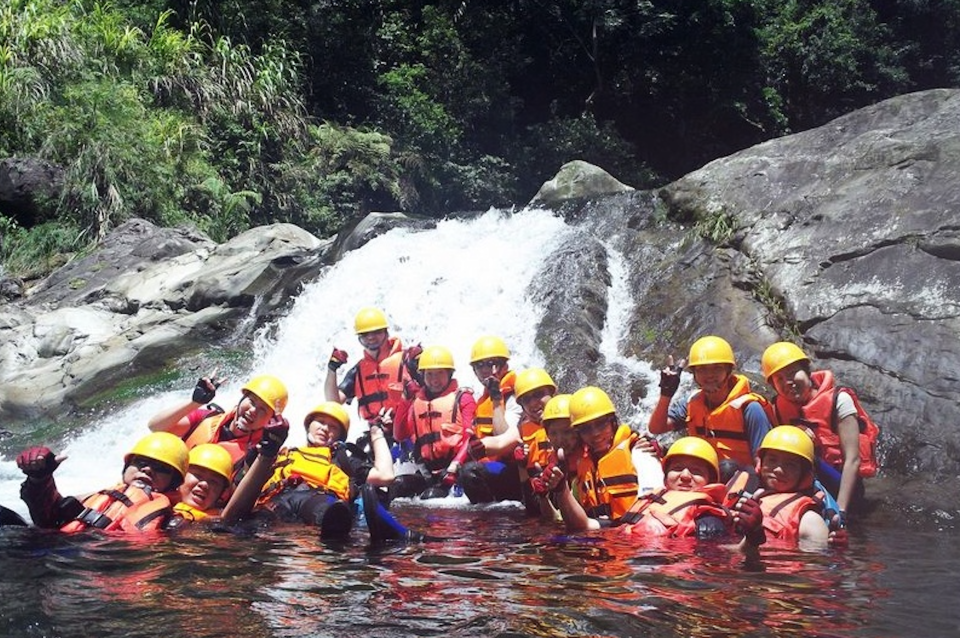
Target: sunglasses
(142, 462)
(488, 363)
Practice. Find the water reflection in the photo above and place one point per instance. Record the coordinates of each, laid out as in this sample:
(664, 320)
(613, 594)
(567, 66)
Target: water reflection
(496, 574)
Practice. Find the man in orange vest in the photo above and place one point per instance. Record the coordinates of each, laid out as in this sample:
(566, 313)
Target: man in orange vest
(724, 410)
(143, 501)
(493, 474)
(381, 380)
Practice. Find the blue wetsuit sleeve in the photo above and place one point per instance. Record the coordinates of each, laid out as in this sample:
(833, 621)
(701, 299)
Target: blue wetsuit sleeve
(677, 412)
(349, 384)
(756, 424)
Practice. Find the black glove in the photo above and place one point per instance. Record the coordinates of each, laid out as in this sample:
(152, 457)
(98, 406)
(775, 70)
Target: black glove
(493, 388)
(669, 381)
(38, 462)
(750, 521)
(274, 435)
(337, 358)
(205, 390)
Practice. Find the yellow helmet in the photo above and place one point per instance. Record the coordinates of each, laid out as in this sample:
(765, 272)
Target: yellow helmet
(164, 447)
(489, 347)
(268, 389)
(558, 407)
(788, 438)
(214, 458)
(589, 403)
(436, 358)
(708, 350)
(532, 379)
(331, 409)
(779, 356)
(369, 320)
(696, 447)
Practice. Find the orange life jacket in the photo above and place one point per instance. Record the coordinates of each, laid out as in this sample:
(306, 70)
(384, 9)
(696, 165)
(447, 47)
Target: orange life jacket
(126, 508)
(438, 427)
(782, 512)
(192, 514)
(483, 421)
(539, 448)
(609, 487)
(723, 426)
(211, 429)
(379, 381)
(311, 465)
(674, 513)
(819, 414)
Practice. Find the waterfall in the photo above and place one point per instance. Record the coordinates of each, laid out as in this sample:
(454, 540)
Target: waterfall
(445, 286)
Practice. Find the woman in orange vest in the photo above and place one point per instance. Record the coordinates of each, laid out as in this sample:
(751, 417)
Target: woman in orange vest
(792, 511)
(439, 424)
(142, 502)
(237, 430)
(845, 435)
(691, 502)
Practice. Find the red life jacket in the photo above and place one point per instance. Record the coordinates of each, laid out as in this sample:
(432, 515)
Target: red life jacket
(782, 512)
(609, 487)
(483, 421)
(723, 426)
(379, 381)
(126, 508)
(819, 414)
(674, 513)
(438, 428)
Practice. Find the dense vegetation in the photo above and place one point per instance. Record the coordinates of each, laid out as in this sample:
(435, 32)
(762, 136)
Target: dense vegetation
(232, 114)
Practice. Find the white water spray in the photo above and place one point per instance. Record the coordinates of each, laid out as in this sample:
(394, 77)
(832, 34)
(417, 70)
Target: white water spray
(447, 286)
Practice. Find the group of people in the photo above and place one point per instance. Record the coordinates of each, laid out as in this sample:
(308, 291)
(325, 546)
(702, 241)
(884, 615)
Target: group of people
(745, 468)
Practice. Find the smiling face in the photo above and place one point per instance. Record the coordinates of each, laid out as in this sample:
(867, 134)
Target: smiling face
(323, 431)
(202, 488)
(534, 401)
(687, 473)
(149, 472)
(436, 380)
(372, 341)
(563, 436)
(793, 382)
(713, 378)
(252, 414)
(598, 434)
(782, 471)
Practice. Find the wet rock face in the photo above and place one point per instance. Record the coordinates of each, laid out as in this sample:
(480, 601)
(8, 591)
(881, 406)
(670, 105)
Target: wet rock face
(844, 238)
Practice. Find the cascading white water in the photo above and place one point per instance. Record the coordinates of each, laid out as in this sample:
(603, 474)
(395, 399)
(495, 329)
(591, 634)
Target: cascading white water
(446, 286)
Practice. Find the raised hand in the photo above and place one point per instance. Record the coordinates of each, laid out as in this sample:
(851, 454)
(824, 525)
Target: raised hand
(39, 462)
(206, 388)
(670, 377)
(337, 358)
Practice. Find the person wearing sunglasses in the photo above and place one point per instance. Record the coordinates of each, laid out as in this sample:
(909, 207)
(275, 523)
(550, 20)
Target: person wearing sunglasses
(143, 501)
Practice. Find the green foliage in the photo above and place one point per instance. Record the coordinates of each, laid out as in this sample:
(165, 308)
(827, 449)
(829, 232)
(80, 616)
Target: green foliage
(29, 253)
(715, 225)
(208, 113)
(824, 58)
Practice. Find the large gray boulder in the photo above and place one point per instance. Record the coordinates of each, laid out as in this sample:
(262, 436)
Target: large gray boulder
(844, 239)
(144, 297)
